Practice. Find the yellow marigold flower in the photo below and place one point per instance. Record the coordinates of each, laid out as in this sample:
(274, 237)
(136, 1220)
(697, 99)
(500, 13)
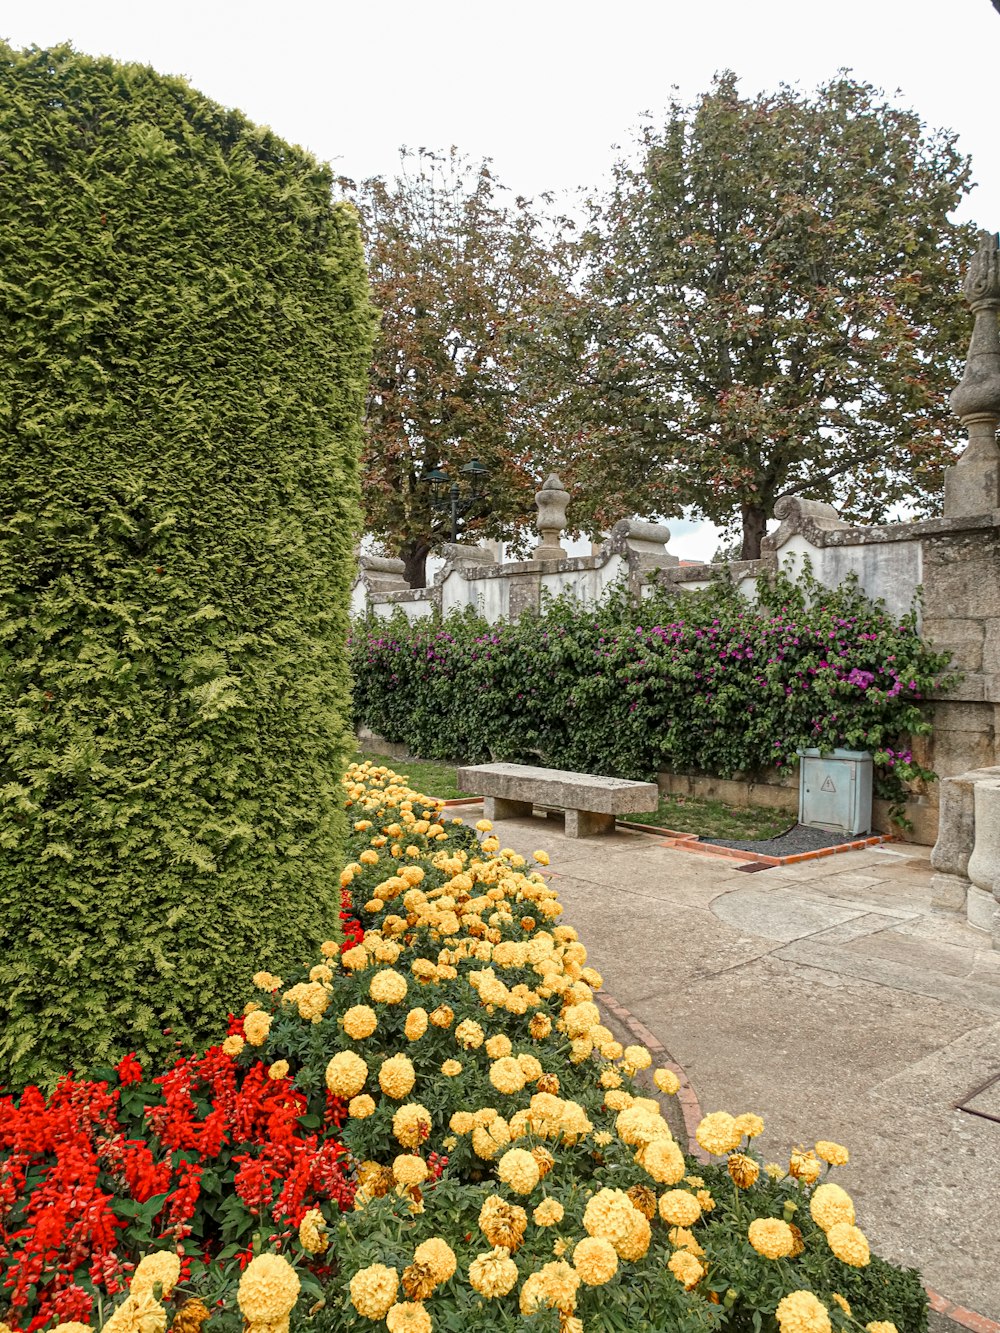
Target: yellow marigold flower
(637, 1057)
(846, 1307)
(469, 1034)
(489, 1138)
(346, 1074)
(718, 1133)
(484, 826)
(502, 1223)
(409, 1169)
(360, 1108)
(775, 1171)
(833, 1153)
(396, 1077)
(312, 1232)
(362, 825)
(493, 1275)
(162, 1266)
(368, 857)
(542, 857)
(706, 1201)
(595, 1260)
(424, 970)
(387, 987)
(831, 1204)
(518, 1169)
(549, 1213)
(531, 1066)
(411, 1124)
(462, 1122)
(498, 1046)
(355, 959)
(137, 1314)
(743, 1170)
(74, 1326)
(490, 845)
(278, 1070)
(451, 1068)
(329, 948)
(321, 972)
(553, 1286)
(416, 1024)
(667, 1081)
(801, 1312)
(408, 1317)
(267, 981)
(617, 1099)
(610, 1214)
(663, 1160)
(771, 1237)
(437, 1256)
(679, 1208)
(849, 1244)
(233, 1045)
(750, 1125)
(256, 1026)
(540, 1026)
(686, 1268)
(684, 1239)
(268, 1289)
(506, 1075)
(360, 1021)
(877, 1325)
(373, 1290)
(804, 1166)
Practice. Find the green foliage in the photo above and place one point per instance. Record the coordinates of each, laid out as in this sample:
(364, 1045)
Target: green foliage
(706, 683)
(774, 306)
(185, 334)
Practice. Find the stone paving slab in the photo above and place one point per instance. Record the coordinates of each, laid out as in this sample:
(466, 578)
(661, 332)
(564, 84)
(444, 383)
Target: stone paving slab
(864, 1028)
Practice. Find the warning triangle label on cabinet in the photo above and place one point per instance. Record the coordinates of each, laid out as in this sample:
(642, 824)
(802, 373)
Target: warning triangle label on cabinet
(828, 785)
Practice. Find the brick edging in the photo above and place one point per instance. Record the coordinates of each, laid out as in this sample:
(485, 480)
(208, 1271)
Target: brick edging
(686, 1096)
(692, 1112)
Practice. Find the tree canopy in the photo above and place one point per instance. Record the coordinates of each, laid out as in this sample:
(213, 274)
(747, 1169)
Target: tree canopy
(773, 307)
(462, 275)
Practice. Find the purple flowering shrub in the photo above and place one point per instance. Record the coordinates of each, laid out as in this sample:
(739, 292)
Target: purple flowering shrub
(703, 682)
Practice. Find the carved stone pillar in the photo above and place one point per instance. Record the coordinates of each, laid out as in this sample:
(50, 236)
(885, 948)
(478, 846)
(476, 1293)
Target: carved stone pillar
(552, 501)
(972, 486)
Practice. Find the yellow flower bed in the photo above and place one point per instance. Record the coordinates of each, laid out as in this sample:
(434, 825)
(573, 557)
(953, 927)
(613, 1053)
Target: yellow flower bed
(511, 1155)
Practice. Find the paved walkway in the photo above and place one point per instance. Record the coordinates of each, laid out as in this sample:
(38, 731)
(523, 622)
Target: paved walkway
(828, 997)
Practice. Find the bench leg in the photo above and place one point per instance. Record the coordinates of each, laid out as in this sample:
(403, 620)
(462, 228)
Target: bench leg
(586, 824)
(496, 807)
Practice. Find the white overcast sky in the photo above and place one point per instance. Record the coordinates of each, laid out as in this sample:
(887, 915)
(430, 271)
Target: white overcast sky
(545, 88)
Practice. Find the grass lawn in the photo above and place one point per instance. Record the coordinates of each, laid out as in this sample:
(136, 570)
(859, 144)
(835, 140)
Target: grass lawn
(715, 819)
(683, 814)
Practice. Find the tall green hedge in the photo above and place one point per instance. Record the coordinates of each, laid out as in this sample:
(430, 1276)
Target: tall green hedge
(184, 339)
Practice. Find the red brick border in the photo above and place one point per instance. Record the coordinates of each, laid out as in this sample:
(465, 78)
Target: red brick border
(686, 1096)
(692, 1112)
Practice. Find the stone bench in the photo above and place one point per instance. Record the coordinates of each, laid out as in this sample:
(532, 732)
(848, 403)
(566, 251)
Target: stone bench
(591, 803)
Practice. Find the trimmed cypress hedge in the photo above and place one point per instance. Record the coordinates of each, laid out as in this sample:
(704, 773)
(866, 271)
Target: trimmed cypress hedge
(184, 340)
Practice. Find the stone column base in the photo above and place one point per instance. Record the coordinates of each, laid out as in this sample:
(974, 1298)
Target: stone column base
(585, 824)
(495, 807)
(949, 892)
(980, 908)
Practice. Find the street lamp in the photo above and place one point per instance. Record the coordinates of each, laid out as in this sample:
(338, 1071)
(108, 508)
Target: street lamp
(448, 498)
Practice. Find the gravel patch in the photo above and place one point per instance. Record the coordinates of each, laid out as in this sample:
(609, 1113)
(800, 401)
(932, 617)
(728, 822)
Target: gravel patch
(799, 838)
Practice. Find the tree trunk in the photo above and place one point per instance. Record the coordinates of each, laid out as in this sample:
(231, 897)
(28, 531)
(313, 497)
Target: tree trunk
(414, 557)
(754, 528)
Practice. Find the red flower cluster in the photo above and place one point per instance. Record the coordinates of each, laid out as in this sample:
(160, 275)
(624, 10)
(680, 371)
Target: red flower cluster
(94, 1175)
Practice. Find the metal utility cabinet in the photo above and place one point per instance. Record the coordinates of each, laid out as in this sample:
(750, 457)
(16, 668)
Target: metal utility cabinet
(835, 790)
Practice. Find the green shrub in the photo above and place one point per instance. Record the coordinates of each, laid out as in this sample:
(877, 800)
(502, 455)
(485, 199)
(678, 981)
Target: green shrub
(184, 337)
(690, 682)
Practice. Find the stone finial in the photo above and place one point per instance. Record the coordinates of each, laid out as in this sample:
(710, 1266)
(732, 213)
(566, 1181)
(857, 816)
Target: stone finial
(972, 486)
(552, 501)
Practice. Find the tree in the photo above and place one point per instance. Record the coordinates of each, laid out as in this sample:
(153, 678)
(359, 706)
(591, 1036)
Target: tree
(462, 277)
(774, 305)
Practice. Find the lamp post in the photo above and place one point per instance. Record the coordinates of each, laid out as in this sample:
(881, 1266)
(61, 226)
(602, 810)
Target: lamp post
(446, 495)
